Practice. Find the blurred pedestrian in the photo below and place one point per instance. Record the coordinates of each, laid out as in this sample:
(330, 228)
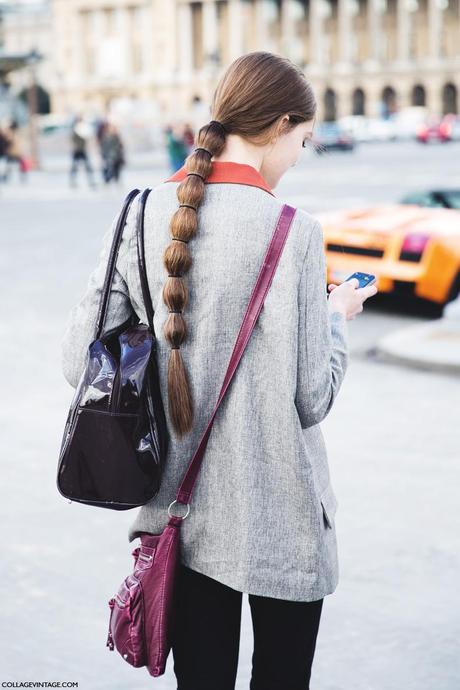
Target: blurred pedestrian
(3, 151)
(101, 127)
(112, 152)
(14, 152)
(189, 137)
(176, 145)
(80, 136)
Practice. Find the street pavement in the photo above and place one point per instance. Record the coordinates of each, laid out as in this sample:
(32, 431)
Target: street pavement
(392, 437)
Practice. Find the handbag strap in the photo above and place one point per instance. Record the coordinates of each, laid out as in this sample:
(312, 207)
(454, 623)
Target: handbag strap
(253, 309)
(141, 259)
(112, 262)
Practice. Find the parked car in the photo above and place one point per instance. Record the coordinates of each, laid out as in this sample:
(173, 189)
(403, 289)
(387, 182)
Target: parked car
(382, 130)
(406, 120)
(330, 135)
(357, 126)
(368, 129)
(411, 249)
(452, 126)
(51, 123)
(434, 198)
(433, 129)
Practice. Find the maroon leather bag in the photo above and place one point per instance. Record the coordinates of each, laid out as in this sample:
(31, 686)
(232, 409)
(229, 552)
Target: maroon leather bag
(142, 613)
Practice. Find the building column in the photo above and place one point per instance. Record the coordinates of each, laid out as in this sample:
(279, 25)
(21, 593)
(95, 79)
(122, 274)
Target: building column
(373, 91)
(435, 23)
(342, 99)
(374, 26)
(185, 42)
(99, 35)
(345, 28)
(403, 30)
(124, 65)
(235, 33)
(210, 32)
(263, 41)
(149, 39)
(163, 33)
(433, 94)
(287, 29)
(316, 34)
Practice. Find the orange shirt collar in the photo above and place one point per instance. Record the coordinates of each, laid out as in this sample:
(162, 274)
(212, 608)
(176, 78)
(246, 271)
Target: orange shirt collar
(229, 171)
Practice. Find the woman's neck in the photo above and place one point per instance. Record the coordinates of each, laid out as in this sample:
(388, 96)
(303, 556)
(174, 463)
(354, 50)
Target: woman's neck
(238, 151)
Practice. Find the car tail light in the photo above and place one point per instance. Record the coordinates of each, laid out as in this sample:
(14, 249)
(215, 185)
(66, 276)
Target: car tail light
(422, 130)
(413, 246)
(445, 129)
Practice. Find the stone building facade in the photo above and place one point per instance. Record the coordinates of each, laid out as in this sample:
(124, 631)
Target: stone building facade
(362, 56)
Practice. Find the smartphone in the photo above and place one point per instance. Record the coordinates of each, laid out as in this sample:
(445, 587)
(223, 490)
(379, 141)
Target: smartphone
(364, 278)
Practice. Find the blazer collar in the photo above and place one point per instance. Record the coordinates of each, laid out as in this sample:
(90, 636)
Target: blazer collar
(228, 171)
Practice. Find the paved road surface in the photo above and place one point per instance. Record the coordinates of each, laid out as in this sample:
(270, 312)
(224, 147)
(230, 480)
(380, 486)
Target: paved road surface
(394, 451)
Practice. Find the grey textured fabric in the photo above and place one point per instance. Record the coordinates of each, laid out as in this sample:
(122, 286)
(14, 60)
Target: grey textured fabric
(262, 517)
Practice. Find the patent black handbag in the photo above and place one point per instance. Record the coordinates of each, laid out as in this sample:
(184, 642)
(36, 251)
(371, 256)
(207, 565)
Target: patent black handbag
(115, 438)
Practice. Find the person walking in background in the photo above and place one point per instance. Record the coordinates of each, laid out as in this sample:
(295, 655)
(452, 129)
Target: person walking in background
(176, 146)
(189, 137)
(80, 135)
(14, 152)
(112, 152)
(3, 152)
(101, 127)
(262, 519)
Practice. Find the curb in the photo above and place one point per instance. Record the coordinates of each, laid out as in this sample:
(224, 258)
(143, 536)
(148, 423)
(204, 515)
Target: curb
(431, 346)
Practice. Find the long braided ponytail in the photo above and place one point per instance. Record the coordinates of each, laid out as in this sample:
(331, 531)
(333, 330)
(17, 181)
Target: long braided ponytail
(177, 261)
(250, 101)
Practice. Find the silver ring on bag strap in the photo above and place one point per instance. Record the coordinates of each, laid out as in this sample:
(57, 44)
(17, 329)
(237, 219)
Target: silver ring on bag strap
(181, 516)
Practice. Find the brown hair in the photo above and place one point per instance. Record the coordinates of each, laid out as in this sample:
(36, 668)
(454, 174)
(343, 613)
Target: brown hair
(252, 96)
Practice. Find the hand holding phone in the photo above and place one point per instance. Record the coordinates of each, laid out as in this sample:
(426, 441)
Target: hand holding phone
(350, 301)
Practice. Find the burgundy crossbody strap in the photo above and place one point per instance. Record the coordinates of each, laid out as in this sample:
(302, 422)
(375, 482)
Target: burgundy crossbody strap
(264, 279)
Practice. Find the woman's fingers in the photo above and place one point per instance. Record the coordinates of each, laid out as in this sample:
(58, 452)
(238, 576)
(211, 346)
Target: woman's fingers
(368, 291)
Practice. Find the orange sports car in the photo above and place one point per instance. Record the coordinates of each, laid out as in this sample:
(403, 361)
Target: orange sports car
(410, 249)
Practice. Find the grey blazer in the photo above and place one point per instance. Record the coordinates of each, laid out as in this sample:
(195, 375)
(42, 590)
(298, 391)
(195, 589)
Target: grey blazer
(262, 514)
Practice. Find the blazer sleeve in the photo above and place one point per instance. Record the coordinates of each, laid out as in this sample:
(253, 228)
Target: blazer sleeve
(80, 327)
(322, 341)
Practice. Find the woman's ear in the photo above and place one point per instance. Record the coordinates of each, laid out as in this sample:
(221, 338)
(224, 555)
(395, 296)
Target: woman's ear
(281, 128)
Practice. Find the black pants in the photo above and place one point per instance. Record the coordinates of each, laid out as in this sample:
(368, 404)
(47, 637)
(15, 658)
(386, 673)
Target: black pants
(82, 156)
(111, 171)
(207, 636)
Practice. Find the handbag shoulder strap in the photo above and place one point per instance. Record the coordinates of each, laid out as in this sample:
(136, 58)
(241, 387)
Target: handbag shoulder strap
(141, 259)
(112, 261)
(264, 279)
